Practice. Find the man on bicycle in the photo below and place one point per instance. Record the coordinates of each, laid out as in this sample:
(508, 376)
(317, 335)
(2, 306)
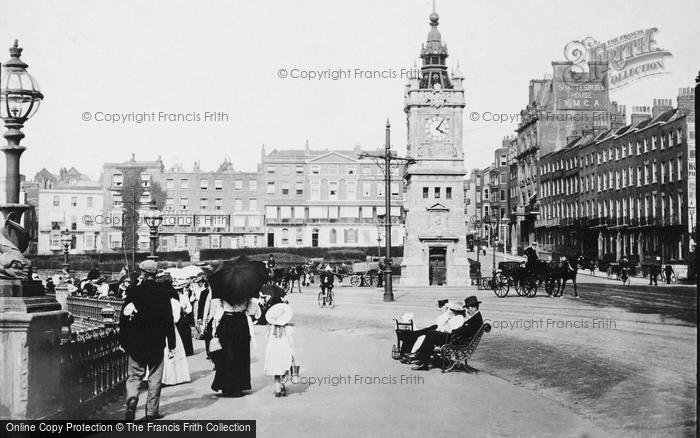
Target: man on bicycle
(326, 282)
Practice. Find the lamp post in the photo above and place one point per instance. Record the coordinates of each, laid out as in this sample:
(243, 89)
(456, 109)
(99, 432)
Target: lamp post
(379, 238)
(386, 160)
(66, 242)
(153, 220)
(19, 101)
(29, 319)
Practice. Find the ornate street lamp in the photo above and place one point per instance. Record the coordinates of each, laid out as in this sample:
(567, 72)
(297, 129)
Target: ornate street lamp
(66, 242)
(19, 100)
(153, 219)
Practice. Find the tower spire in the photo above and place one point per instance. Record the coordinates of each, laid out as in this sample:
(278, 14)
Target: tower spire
(434, 55)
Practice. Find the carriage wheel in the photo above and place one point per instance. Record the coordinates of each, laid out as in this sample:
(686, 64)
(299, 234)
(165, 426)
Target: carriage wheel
(517, 285)
(530, 287)
(372, 280)
(500, 285)
(355, 281)
(486, 282)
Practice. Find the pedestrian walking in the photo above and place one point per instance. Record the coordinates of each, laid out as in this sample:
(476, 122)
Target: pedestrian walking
(668, 270)
(235, 288)
(653, 274)
(183, 323)
(144, 327)
(279, 355)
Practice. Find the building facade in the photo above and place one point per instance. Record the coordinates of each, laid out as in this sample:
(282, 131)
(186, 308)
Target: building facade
(322, 198)
(117, 200)
(566, 103)
(70, 207)
(436, 225)
(203, 210)
(626, 192)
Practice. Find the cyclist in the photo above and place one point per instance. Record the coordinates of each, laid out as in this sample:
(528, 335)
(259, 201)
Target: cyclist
(624, 276)
(326, 282)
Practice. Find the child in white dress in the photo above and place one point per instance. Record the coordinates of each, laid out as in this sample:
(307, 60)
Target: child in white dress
(280, 345)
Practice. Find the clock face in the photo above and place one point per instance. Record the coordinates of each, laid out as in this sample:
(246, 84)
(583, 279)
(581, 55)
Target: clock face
(437, 128)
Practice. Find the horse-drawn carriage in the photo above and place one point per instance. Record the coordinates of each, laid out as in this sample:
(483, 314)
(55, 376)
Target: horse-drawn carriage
(365, 274)
(523, 279)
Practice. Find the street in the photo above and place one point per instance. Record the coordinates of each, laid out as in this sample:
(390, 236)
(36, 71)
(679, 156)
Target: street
(549, 367)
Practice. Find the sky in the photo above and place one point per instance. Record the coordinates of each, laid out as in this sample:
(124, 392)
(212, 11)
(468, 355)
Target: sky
(96, 58)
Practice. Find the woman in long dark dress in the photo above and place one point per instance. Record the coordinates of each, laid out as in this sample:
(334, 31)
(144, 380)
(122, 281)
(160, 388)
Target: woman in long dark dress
(183, 325)
(233, 329)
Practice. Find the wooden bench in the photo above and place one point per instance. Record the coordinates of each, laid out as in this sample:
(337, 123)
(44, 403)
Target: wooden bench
(457, 353)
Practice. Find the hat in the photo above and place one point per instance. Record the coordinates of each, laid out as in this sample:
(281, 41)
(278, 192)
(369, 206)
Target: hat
(471, 301)
(455, 307)
(279, 314)
(149, 266)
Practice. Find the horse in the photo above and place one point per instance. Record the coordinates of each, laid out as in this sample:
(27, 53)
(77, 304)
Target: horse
(566, 270)
(295, 275)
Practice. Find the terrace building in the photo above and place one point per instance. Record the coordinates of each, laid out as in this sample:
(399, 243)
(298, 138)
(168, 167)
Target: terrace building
(626, 192)
(220, 209)
(322, 198)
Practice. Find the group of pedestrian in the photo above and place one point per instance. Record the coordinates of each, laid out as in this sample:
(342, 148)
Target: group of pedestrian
(155, 331)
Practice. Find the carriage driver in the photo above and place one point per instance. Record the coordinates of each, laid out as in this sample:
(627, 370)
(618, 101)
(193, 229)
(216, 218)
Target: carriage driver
(531, 254)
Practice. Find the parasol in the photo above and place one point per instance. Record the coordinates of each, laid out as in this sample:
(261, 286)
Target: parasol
(237, 279)
(190, 271)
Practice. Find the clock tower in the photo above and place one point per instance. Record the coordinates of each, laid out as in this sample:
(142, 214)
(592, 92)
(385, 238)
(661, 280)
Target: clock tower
(435, 251)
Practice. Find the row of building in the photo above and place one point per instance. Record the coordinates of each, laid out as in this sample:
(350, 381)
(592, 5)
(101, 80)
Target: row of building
(578, 179)
(296, 198)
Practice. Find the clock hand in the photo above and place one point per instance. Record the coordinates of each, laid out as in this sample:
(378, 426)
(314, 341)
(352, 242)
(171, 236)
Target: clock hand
(438, 127)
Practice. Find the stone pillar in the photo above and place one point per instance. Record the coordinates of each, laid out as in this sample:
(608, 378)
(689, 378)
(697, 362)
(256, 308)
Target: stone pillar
(600, 245)
(640, 248)
(618, 247)
(30, 331)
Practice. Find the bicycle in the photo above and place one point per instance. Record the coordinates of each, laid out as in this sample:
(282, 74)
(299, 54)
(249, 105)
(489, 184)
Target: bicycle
(327, 298)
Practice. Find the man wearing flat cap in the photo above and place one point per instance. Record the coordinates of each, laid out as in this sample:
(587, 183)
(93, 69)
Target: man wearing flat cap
(145, 325)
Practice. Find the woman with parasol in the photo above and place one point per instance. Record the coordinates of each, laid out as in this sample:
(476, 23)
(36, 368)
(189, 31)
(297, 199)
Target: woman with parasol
(235, 286)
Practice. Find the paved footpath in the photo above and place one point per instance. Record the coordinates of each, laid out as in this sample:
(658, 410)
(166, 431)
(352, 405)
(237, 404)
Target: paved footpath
(516, 393)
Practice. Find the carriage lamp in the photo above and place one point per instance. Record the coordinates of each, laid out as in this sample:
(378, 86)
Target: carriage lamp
(66, 242)
(153, 219)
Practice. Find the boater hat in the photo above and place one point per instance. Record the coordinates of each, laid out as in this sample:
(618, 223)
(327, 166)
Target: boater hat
(279, 314)
(471, 301)
(455, 307)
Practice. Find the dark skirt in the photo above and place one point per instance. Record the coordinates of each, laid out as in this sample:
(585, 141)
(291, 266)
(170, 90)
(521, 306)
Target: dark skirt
(183, 327)
(233, 360)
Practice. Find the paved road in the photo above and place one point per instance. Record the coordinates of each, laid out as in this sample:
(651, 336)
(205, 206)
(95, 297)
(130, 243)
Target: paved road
(542, 373)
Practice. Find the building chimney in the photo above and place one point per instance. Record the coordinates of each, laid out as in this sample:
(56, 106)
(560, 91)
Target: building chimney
(686, 103)
(618, 116)
(640, 113)
(661, 106)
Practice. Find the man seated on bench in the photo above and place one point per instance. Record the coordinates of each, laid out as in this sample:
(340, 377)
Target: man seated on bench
(465, 330)
(408, 337)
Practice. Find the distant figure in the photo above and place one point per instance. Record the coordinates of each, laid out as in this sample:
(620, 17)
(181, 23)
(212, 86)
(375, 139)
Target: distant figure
(653, 274)
(94, 273)
(271, 262)
(668, 270)
(531, 254)
(50, 286)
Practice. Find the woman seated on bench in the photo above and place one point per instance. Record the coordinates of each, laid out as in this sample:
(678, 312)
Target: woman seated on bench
(451, 318)
(407, 338)
(465, 330)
